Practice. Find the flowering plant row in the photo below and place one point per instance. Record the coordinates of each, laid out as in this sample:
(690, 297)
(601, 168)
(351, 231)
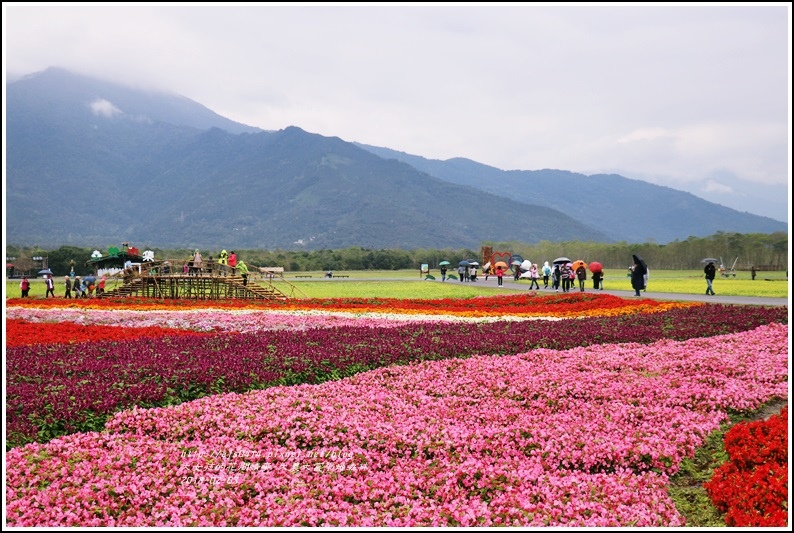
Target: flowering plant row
(752, 487)
(253, 320)
(585, 436)
(526, 304)
(55, 388)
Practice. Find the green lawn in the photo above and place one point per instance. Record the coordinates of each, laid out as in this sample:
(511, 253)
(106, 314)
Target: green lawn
(372, 283)
(409, 284)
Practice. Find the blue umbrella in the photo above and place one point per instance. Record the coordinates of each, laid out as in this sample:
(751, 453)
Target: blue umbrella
(463, 263)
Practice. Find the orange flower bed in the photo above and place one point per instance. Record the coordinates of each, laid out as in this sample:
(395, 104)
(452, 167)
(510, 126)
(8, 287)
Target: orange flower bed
(522, 305)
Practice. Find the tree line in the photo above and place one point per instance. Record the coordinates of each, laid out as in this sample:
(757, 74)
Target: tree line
(763, 251)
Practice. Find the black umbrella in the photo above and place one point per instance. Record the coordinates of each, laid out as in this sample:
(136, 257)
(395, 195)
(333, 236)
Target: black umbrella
(46, 271)
(561, 260)
(709, 260)
(640, 260)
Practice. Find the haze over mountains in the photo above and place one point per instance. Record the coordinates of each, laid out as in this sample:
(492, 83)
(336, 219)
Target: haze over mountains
(90, 163)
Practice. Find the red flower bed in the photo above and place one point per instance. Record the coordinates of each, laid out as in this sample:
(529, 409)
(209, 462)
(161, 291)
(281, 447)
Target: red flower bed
(24, 333)
(752, 487)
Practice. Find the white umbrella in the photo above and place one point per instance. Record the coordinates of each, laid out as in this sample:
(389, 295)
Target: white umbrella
(526, 265)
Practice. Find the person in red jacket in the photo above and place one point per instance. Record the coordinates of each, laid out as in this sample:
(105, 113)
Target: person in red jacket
(24, 286)
(233, 262)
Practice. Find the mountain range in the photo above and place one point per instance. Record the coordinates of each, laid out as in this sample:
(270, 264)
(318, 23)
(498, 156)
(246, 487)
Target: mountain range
(93, 163)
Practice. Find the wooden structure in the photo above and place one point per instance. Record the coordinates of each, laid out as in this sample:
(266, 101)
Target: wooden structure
(157, 279)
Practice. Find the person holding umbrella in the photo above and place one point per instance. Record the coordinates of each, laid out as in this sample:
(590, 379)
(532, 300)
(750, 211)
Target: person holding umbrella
(443, 267)
(638, 272)
(581, 275)
(598, 275)
(50, 286)
(88, 283)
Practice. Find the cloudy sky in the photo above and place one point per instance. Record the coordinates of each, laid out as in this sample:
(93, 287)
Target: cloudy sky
(694, 97)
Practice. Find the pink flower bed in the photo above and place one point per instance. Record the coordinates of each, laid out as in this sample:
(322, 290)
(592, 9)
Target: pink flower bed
(578, 437)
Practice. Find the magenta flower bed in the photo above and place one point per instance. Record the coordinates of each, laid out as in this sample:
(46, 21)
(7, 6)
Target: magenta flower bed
(54, 390)
(549, 437)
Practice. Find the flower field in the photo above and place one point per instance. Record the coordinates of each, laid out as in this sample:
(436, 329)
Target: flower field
(511, 410)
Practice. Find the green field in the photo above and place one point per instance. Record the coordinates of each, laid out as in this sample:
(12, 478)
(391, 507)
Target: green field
(374, 283)
(409, 284)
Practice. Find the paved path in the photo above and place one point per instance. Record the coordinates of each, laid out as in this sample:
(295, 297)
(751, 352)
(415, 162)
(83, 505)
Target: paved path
(740, 300)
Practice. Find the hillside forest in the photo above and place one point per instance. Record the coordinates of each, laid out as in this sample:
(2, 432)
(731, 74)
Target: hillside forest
(763, 251)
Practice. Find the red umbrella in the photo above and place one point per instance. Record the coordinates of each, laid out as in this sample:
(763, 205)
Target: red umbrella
(595, 266)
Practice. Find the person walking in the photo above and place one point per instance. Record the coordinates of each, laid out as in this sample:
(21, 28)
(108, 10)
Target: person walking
(79, 287)
(24, 287)
(499, 275)
(50, 287)
(67, 283)
(533, 277)
(546, 274)
(223, 261)
(638, 272)
(196, 269)
(555, 278)
(443, 272)
(752, 272)
(242, 268)
(565, 274)
(100, 288)
(598, 280)
(581, 275)
(710, 270)
(233, 262)
(461, 272)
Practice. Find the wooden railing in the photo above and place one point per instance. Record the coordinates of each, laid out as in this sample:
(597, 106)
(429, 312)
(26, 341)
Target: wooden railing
(161, 279)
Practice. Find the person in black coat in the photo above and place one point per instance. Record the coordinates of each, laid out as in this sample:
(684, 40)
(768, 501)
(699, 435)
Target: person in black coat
(710, 270)
(638, 272)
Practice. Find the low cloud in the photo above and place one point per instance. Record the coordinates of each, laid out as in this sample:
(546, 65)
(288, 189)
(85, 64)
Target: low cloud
(713, 186)
(103, 108)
